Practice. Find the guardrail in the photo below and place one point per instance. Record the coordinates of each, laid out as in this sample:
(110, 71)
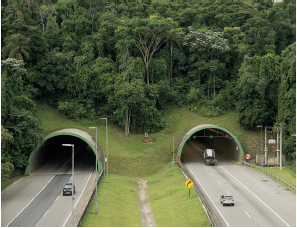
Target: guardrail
(270, 173)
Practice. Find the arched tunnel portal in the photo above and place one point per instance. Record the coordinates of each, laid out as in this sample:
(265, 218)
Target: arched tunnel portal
(52, 149)
(216, 137)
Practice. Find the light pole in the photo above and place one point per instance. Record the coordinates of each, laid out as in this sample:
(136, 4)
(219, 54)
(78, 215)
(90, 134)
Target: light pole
(72, 145)
(173, 150)
(96, 168)
(106, 147)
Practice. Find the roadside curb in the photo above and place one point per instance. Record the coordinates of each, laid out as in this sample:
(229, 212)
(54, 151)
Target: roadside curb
(86, 202)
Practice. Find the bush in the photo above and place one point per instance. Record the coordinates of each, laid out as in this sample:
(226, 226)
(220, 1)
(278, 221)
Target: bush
(76, 110)
(6, 169)
(195, 99)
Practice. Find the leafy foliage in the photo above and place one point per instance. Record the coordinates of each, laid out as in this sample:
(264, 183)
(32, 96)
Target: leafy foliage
(128, 60)
(23, 132)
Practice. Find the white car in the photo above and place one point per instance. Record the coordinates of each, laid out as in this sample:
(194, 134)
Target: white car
(227, 200)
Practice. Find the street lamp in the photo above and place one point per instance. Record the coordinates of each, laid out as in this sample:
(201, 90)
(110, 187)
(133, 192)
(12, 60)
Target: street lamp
(72, 145)
(173, 150)
(106, 147)
(96, 168)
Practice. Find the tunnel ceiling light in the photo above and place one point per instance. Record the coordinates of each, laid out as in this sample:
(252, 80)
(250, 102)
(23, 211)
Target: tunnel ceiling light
(67, 144)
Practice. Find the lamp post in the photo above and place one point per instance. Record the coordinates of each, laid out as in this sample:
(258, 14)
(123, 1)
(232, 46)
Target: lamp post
(96, 168)
(72, 145)
(173, 150)
(106, 147)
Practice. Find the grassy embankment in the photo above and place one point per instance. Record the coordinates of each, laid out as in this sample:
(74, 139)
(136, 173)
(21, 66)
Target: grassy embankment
(130, 160)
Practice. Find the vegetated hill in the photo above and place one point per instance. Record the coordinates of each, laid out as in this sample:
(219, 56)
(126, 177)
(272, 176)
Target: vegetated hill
(129, 156)
(128, 61)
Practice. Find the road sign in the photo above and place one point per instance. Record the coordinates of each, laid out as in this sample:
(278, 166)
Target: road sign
(248, 156)
(189, 183)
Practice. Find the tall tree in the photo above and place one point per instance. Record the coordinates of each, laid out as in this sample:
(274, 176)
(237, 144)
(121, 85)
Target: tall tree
(18, 115)
(16, 46)
(148, 35)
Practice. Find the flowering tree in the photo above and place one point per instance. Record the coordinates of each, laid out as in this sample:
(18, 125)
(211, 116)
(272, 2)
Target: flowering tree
(207, 44)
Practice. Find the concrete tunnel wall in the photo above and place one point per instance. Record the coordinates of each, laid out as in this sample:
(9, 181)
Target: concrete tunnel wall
(36, 158)
(230, 147)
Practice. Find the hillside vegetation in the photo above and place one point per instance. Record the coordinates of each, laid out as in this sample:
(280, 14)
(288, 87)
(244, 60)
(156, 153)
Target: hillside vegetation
(128, 61)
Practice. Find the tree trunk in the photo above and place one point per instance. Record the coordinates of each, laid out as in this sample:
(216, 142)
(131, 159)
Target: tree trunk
(214, 86)
(171, 66)
(147, 73)
(127, 123)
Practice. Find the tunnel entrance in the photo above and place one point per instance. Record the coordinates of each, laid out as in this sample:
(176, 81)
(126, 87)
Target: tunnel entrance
(216, 137)
(54, 153)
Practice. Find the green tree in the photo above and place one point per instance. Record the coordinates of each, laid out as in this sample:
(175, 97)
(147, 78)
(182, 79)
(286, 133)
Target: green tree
(46, 11)
(287, 98)
(18, 115)
(258, 33)
(257, 85)
(16, 46)
(148, 35)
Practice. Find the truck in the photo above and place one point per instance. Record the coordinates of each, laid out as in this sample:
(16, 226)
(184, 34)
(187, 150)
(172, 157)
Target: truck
(209, 157)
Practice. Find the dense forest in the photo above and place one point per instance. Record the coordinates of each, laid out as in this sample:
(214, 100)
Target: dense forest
(127, 61)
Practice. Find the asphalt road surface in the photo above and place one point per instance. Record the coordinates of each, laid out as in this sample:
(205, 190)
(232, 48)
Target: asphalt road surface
(37, 200)
(259, 200)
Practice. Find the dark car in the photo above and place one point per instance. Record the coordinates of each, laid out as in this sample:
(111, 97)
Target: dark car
(227, 200)
(67, 190)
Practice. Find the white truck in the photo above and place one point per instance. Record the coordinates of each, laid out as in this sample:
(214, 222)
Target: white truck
(209, 157)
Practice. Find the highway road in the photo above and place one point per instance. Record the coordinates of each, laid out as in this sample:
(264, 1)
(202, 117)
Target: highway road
(37, 200)
(259, 200)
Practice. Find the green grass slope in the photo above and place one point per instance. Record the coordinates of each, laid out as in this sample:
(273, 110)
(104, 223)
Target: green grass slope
(130, 159)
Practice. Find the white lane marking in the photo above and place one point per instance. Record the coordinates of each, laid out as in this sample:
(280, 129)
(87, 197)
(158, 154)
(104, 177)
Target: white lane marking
(205, 168)
(45, 212)
(208, 196)
(228, 193)
(256, 197)
(248, 214)
(219, 183)
(211, 174)
(78, 199)
(30, 201)
(57, 198)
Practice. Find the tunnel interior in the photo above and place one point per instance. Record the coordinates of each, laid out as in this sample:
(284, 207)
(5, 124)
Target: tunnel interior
(52, 152)
(220, 139)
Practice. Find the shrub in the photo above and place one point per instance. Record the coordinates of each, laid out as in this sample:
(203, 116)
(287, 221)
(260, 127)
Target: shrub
(6, 169)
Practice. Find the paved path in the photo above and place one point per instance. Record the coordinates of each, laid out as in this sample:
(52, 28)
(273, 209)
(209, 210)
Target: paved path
(147, 217)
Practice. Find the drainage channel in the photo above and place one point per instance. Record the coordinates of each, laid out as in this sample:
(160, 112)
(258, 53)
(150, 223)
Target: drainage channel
(147, 217)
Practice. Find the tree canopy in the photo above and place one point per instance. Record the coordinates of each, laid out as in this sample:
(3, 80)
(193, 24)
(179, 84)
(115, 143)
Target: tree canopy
(128, 60)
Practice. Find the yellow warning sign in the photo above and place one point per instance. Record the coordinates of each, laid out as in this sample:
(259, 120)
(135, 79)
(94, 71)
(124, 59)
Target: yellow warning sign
(189, 183)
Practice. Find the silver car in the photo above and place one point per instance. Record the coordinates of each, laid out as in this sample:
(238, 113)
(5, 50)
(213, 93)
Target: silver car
(227, 200)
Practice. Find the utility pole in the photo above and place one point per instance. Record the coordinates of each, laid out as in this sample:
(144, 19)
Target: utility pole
(281, 146)
(265, 150)
(277, 146)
